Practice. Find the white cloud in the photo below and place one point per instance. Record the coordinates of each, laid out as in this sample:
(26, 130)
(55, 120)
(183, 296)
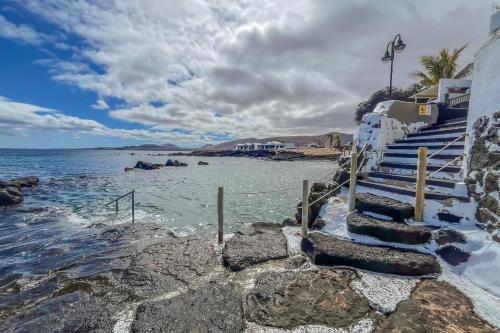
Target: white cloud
(249, 68)
(21, 32)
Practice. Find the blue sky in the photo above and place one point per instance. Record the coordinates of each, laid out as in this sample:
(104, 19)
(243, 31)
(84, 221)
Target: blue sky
(100, 73)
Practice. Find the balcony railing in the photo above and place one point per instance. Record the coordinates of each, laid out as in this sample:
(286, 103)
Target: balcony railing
(459, 99)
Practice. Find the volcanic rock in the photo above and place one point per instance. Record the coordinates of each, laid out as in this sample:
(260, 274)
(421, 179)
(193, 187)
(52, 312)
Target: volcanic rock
(445, 236)
(147, 166)
(210, 308)
(435, 306)
(399, 211)
(388, 231)
(332, 251)
(261, 242)
(10, 196)
(292, 298)
(202, 163)
(453, 255)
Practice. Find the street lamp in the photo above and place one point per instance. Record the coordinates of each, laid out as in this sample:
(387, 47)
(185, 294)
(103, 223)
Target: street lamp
(396, 45)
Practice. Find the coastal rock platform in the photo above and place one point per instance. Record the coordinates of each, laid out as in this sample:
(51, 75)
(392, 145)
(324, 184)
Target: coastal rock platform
(333, 251)
(261, 242)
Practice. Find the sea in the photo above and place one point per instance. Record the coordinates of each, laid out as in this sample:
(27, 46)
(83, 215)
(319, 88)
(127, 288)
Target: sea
(52, 228)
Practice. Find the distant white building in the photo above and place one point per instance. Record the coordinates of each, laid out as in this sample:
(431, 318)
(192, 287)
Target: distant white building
(273, 145)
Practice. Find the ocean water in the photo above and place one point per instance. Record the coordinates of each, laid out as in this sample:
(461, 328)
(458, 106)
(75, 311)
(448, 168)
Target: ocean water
(53, 228)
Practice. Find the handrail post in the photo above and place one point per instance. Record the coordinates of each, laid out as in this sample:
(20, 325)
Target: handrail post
(420, 186)
(220, 214)
(133, 207)
(305, 206)
(464, 162)
(352, 183)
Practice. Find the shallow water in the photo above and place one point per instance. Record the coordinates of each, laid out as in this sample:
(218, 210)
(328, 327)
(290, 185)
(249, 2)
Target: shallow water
(50, 229)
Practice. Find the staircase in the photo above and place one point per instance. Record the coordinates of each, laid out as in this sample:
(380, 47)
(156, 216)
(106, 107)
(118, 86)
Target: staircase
(382, 214)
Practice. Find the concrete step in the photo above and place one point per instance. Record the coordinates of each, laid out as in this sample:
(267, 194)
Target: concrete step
(388, 231)
(431, 147)
(333, 251)
(452, 120)
(442, 126)
(443, 139)
(397, 210)
(454, 130)
(440, 156)
(436, 160)
(409, 191)
(413, 166)
(412, 179)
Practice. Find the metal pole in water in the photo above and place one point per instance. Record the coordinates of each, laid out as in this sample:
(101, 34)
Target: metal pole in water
(116, 207)
(220, 214)
(133, 208)
(305, 206)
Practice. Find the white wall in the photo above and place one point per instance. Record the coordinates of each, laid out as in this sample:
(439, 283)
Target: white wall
(446, 84)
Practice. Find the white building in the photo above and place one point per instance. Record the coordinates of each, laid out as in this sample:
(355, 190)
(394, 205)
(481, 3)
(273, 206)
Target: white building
(273, 145)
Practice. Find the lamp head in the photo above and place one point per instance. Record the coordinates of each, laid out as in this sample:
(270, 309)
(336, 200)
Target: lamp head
(387, 56)
(400, 46)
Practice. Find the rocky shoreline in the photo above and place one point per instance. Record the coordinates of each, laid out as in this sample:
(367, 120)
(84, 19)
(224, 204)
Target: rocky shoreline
(263, 154)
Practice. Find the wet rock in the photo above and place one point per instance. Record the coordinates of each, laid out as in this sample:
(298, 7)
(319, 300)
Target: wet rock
(10, 196)
(388, 231)
(445, 236)
(332, 251)
(318, 224)
(399, 211)
(202, 163)
(129, 232)
(30, 181)
(320, 193)
(129, 169)
(452, 254)
(210, 308)
(341, 176)
(147, 166)
(72, 312)
(174, 163)
(290, 222)
(449, 217)
(174, 263)
(261, 242)
(435, 306)
(292, 298)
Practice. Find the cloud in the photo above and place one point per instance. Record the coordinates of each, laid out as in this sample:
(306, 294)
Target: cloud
(21, 32)
(19, 118)
(248, 68)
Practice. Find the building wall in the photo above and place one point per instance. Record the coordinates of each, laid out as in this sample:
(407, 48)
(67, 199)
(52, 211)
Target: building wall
(446, 87)
(483, 126)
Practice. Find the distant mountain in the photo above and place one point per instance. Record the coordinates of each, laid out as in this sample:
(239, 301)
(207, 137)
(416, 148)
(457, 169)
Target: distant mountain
(166, 146)
(299, 140)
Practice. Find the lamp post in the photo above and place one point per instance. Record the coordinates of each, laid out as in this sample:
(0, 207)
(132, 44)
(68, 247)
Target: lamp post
(395, 45)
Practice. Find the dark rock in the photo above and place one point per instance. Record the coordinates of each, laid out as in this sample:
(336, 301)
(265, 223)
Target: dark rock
(129, 169)
(435, 306)
(318, 187)
(490, 203)
(171, 264)
(72, 312)
(491, 182)
(130, 232)
(202, 163)
(289, 222)
(318, 224)
(341, 176)
(174, 163)
(147, 166)
(388, 231)
(292, 298)
(332, 251)
(210, 308)
(452, 254)
(445, 236)
(449, 217)
(261, 242)
(320, 193)
(399, 211)
(10, 196)
(30, 181)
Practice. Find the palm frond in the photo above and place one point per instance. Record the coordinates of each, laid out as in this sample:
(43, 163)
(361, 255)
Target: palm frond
(464, 72)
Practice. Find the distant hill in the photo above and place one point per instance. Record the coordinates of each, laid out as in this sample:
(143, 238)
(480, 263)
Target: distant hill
(166, 146)
(299, 140)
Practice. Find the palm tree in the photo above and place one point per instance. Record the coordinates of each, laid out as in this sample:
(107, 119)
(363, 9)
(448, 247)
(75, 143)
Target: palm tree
(442, 66)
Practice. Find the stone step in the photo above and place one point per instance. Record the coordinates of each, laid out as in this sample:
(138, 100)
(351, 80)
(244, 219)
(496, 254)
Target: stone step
(430, 147)
(388, 231)
(439, 156)
(452, 120)
(397, 210)
(459, 130)
(409, 191)
(332, 251)
(447, 125)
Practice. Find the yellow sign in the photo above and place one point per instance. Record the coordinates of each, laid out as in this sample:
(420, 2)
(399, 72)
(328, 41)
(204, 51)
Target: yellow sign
(424, 110)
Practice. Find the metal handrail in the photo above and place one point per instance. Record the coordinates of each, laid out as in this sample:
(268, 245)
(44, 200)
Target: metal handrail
(449, 144)
(459, 99)
(121, 197)
(444, 166)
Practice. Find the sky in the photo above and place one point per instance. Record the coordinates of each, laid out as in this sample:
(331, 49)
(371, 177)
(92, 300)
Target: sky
(90, 73)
